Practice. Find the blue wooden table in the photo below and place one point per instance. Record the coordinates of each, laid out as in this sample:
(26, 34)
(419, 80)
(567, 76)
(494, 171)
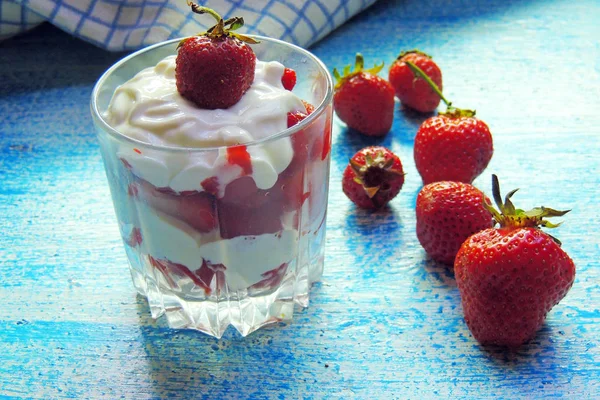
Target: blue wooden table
(385, 322)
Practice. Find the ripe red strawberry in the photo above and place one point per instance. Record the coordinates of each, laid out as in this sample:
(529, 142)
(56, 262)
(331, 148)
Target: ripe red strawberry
(216, 68)
(373, 177)
(510, 277)
(447, 214)
(363, 100)
(412, 90)
(453, 146)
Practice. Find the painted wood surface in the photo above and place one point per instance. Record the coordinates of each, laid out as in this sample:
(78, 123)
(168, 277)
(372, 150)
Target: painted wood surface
(386, 322)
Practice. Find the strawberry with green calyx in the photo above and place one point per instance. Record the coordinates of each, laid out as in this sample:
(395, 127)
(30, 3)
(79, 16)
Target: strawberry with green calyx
(215, 68)
(373, 177)
(510, 277)
(452, 146)
(413, 91)
(363, 100)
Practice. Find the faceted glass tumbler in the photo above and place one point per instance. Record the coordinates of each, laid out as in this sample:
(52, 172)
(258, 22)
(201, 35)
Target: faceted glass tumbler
(245, 257)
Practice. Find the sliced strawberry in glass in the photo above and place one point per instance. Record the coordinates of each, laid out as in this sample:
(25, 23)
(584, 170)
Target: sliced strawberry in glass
(208, 271)
(326, 139)
(301, 140)
(239, 220)
(196, 209)
(272, 278)
(170, 269)
(243, 192)
(290, 189)
(238, 155)
(211, 185)
(288, 80)
(135, 237)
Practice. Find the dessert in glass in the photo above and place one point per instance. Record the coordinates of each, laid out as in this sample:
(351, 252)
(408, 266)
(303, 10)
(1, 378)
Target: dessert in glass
(222, 211)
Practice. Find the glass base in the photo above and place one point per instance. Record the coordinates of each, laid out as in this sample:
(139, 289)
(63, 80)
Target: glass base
(245, 310)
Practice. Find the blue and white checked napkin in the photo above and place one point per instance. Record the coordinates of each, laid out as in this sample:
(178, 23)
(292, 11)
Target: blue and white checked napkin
(131, 24)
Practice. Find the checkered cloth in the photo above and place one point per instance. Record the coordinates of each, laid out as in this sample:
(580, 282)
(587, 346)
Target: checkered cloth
(131, 24)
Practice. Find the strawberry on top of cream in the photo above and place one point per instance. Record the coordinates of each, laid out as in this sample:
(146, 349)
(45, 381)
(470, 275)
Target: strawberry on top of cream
(150, 109)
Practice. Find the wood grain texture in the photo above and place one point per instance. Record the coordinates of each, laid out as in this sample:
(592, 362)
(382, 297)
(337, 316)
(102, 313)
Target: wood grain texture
(386, 322)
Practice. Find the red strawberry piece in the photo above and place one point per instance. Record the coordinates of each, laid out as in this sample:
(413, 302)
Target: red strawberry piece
(301, 139)
(238, 155)
(288, 80)
(290, 189)
(216, 68)
(412, 90)
(314, 141)
(295, 117)
(326, 138)
(209, 271)
(510, 277)
(170, 269)
(447, 214)
(363, 100)
(239, 220)
(135, 237)
(211, 185)
(454, 146)
(272, 278)
(197, 209)
(373, 177)
(244, 193)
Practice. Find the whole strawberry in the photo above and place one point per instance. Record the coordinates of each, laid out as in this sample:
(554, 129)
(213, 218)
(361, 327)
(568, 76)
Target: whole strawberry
(447, 214)
(363, 100)
(215, 68)
(412, 90)
(510, 277)
(373, 177)
(452, 146)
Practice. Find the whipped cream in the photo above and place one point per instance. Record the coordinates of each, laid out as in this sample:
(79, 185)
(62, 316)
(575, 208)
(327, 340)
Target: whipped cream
(247, 258)
(150, 109)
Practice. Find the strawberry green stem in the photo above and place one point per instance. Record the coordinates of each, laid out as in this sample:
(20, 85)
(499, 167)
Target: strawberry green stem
(222, 28)
(204, 10)
(359, 64)
(512, 217)
(419, 72)
(451, 111)
(413, 51)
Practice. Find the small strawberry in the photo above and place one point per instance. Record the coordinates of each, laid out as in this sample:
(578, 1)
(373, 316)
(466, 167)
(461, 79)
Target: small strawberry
(363, 100)
(452, 146)
(447, 214)
(510, 277)
(214, 69)
(413, 91)
(373, 177)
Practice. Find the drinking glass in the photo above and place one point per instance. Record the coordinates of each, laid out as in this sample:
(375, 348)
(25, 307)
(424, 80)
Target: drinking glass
(244, 256)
